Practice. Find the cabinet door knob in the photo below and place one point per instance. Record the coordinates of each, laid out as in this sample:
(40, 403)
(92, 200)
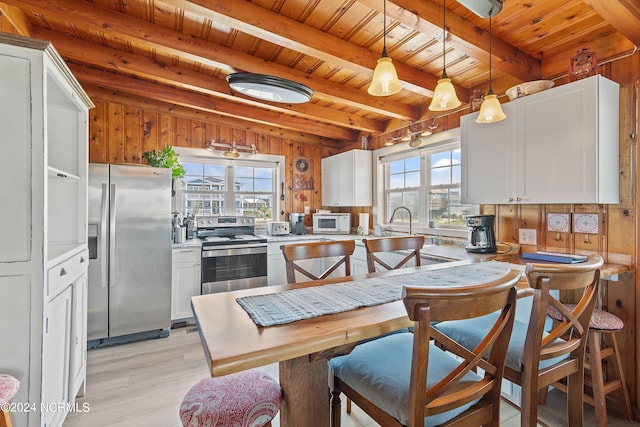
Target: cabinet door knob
(510, 199)
(63, 272)
(81, 259)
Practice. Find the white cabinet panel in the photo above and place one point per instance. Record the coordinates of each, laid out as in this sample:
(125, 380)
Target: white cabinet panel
(56, 356)
(359, 261)
(15, 163)
(556, 146)
(347, 179)
(79, 338)
(185, 281)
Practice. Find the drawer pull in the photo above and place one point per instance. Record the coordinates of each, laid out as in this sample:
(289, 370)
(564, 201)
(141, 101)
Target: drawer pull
(81, 260)
(63, 272)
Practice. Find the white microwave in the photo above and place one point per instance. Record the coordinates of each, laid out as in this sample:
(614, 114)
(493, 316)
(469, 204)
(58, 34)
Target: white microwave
(332, 223)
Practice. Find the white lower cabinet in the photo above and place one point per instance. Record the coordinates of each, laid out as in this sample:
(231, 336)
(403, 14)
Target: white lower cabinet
(185, 280)
(78, 361)
(56, 355)
(64, 342)
(359, 260)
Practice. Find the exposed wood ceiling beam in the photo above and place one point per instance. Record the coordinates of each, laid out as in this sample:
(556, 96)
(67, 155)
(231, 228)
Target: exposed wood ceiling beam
(426, 17)
(144, 68)
(623, 15)
(194, 100)
(109, 95)
(17, 18)
(196, 49)
(286, 32)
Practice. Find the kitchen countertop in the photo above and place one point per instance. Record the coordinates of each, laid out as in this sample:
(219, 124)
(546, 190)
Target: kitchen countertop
(442, 252)
(191, 243)
(437, 252)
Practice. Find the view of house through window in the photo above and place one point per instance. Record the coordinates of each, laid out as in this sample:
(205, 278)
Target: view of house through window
(223, 187)
(427, 183)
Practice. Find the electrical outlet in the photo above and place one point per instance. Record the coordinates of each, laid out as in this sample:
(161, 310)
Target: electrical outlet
(527, 236)
(307, 210)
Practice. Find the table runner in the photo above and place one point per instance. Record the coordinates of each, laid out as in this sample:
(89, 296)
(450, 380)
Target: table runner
(305, 303)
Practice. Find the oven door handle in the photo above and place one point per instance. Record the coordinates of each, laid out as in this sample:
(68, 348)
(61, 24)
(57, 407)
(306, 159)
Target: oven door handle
(228, 250)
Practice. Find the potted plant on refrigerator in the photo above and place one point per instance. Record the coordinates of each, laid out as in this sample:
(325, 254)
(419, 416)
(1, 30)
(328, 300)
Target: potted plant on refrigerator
(165, 158)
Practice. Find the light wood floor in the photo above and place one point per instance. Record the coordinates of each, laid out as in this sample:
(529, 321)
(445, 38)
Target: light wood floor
(142, 384)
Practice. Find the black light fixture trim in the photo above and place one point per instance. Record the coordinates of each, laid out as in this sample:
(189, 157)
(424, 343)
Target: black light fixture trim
(269, 88)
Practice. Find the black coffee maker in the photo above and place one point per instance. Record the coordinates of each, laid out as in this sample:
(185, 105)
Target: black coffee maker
(483, 239)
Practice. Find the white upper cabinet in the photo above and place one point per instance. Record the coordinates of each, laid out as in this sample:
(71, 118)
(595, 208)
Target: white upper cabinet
(556, 146)
(347, 179)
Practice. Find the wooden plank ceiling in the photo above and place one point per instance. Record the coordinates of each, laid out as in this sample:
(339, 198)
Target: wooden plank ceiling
(180, 52)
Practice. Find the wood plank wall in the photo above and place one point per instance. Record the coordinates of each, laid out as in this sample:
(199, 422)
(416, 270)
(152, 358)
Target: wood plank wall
(122, 128)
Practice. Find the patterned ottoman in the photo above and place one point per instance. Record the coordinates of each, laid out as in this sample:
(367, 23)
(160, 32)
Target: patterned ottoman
(8, 388)
(244, 399)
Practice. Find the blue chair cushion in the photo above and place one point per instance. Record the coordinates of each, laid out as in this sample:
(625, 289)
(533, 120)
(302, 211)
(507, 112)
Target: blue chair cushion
(470, 332)
(380, 371)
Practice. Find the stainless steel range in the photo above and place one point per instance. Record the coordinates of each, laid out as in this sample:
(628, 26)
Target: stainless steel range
(233, 257)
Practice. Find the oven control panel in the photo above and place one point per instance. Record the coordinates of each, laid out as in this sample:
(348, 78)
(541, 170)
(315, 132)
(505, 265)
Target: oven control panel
(225, 221)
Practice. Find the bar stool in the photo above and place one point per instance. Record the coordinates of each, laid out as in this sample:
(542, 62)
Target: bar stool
(602, 330)
(8, 389)
(243, 399)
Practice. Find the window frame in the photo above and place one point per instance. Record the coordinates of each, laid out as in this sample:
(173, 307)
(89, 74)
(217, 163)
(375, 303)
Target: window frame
(202, 156)
(442, 141)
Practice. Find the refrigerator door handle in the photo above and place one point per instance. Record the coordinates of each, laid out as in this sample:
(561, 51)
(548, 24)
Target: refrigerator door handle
(112, 237)
(103, 236)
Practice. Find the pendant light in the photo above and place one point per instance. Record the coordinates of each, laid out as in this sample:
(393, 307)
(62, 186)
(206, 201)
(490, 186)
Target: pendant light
(490, 109)
(385, 80)
(444, 96)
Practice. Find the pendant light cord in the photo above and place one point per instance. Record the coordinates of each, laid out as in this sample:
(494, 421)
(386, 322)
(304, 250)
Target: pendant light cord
(490, 55)
(384, 29)
(444, 38)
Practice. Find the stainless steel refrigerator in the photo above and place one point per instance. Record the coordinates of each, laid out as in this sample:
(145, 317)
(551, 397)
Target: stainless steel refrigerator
(129, 251)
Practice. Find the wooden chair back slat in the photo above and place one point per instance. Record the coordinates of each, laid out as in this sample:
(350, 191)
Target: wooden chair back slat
(294, 252)
(393, 244)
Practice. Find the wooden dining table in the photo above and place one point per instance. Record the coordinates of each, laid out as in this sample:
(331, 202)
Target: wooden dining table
(232, 342)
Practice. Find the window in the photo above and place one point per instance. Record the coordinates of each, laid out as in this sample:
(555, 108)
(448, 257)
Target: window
(428, 184)
(215, 186)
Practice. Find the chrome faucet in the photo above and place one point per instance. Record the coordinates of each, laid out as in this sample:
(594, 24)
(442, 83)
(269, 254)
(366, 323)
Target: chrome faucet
(394, 212)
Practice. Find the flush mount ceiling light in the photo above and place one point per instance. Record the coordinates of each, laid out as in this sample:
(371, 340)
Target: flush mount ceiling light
(232, 150)
(483, 8)
(385, 80)
(269, 88)
(490, 109)
(444, 96)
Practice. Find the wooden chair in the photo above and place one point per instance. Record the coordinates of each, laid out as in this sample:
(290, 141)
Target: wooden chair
(401, 378)
(602, 345)
(9, 387)
(343, 249)
(243, 399)
(393, 244)
(390, 244)
(536, 357)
